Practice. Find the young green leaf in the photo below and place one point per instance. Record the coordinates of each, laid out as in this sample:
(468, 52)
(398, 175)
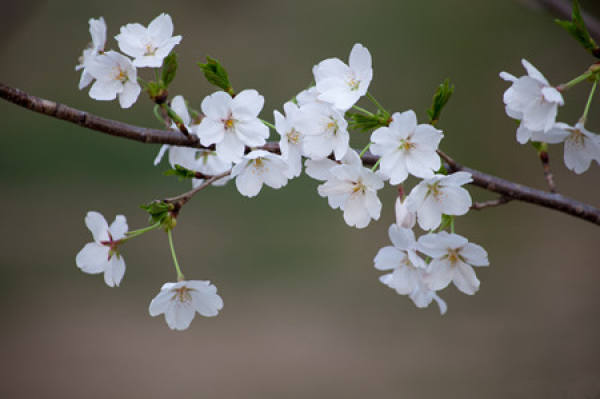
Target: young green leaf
(169, 69)
(367, 123)
(440, 98)
(576, 27)
(180, 172)
(216, 74)
(158, 210)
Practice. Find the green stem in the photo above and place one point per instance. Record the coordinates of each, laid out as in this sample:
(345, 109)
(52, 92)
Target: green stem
(589, 103)
(134, 233)
(268, 124)
(576, 81)
(376, 165)
(364, 111)
(156, 75)
(365, 149)
(179, 274)
(172, 114)
(158, 115)
(452, 225)
(374, 101)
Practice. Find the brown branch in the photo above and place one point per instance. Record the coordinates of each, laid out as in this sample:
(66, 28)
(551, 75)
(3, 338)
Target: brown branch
(547, 172)
(491, 203)
(182, 199)
(488, 182)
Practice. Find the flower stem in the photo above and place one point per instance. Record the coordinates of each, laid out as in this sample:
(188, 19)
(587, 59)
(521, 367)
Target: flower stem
(576, 81)
(452, 225)
(134, 233)
(158, 115)
(374, 101)
(365, 149)
(179, 274)
(376, 165)
(268, 124)
(364, 111)
(589, 102)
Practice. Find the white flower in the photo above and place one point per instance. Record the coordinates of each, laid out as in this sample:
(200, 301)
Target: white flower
(320, 169)
(340, 84)
(439, 195)
(406, 147)
(115, 75)
(102, 255)
(325, 130)
(98, 33)
(183, 156)
(310, 95)
(422, 296)
(531, 99)
(257, 168)
(404, 217)
(555, 134)
(581, 146)
(232, 123)
(209, 163)
(291, 142)
(402, 260)
(353, 189)
(180, 301)
(453, 257)
(148, 46)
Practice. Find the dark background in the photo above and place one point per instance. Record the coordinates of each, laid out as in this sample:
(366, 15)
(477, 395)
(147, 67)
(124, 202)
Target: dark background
(305, 315)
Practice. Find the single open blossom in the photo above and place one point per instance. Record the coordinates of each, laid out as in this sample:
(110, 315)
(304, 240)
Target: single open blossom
(98, 33)
(102, 255)
(257, 168)
(291, 142)
(402, 260)
(325, 130)
(406, 147)
(452, 259)
(532, 99)
(439, 195)
(581, 146)
(404, 217)
(353, 189)
(148, 46)
(340, 84)
(115, 75)
(180, 301)
(232, 123)
(422, 296)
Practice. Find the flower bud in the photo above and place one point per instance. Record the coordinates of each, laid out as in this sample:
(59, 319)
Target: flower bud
(404, 218)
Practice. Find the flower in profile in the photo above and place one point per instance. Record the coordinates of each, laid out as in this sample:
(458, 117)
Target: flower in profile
(406, 147)
(257, 168)
(291, 142)
(180, 301)
(343, 85)
(581, 147)
(115, 75)
(232, 123)
(353, 189)
(98, 33)
(148, 46)
(102, 255)
(439, 195)
(452, 259)
(532, 99)
(325, 130)
(183, 156)
(404, 217)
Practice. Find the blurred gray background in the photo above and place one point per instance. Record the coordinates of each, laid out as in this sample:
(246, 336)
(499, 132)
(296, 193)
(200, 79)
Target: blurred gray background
(305, 315)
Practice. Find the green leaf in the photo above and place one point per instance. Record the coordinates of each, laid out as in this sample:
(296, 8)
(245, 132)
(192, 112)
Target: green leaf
(158, 210)
(440, 99)
(446, 221)
(576, 27)
(169, 68)
(367, 123)
(216, 74)
(180, 172)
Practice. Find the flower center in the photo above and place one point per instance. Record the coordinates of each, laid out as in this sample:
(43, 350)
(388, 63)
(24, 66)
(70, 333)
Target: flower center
(182, 294)
(406, 145)
(577, 137)
(229, 123)
(353, 84)
(112, 244)
(358, 187)
(150, 50)
(121, 75)
(434, 190)
(332, 125)
(453, 255)
(258, 162)
(293, 136)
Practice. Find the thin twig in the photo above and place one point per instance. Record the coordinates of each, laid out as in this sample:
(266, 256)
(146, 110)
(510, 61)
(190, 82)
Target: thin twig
(562, 9)
(488, 182)
(547, 172)
(181, 199)
(491, 203)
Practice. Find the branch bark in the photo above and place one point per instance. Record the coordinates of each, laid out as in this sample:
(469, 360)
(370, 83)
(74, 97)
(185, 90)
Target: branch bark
(488, 182)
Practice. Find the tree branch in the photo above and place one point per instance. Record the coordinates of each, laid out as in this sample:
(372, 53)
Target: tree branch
(488, 182)
(562, 9)
(491, 203)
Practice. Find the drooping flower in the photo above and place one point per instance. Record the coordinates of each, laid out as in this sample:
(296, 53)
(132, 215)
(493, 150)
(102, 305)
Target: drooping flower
(98, 33)
(556, 134)
(232, 123)
(115, 75)
(148, 46)
(102, 255)
(291, 142)
(453, 257)
(325, 131)
(180, 301)
(340, 84)
(422, 296)
(581, 146)
(257, 168)
(353, 189)
(404, 217)
(406, 147)
(532, 99)
(439, 195)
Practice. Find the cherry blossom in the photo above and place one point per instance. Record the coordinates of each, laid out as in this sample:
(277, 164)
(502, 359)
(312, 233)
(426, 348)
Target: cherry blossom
(102, 255)
(439, 195)
(406, 147)
(291, 142)
(581, 146)
(340, 84)
(404, 217)
(353, 189)
(257, 168)
(325, 130)
(148, 46)
(532, 99)
(180, 301)
(232, 123)
(115, 76)
(98, 33)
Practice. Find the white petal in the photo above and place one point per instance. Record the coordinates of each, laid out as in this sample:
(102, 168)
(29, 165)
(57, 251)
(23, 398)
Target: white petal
(115, 269)
(96, 223)
(92, 258)
(465, 279)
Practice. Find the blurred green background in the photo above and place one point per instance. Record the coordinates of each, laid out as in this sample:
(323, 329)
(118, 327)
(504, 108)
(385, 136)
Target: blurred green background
(305, 315)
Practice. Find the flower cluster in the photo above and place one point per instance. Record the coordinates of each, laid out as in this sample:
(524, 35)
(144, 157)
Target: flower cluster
(534, 102)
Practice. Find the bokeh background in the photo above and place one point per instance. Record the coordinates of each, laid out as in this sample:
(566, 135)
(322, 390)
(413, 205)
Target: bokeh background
(305, 315)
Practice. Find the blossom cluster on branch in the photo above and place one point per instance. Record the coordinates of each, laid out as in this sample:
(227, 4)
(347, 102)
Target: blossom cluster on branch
(316, 127)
